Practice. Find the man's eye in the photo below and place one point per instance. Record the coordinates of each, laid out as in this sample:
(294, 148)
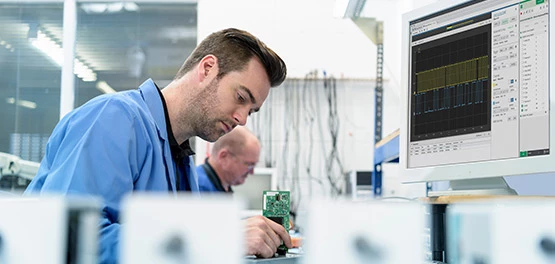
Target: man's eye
(240, 98)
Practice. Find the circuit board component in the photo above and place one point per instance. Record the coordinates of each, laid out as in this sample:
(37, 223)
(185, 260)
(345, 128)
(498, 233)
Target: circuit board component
(276, 207)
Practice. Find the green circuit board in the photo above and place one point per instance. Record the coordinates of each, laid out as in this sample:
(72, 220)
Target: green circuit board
(276, 208)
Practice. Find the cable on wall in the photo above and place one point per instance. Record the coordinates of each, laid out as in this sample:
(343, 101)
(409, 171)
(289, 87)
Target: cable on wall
(330, 87)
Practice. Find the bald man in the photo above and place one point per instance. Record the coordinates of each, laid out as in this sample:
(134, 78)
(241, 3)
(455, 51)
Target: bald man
(232, 159)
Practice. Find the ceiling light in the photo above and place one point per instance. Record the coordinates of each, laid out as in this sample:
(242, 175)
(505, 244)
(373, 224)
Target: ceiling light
(131, 7)
(55, 52)
(22, 103)
(109, 8)
(93, 8)
(114, 7)
(104, 87)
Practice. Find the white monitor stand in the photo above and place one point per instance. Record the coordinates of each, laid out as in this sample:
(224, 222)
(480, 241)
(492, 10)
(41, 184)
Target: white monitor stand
(484, 186)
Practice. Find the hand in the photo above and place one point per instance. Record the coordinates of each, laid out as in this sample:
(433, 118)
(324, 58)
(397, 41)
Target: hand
(263, 236)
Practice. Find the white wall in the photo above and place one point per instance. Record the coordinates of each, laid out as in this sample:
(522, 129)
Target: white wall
(303, 32)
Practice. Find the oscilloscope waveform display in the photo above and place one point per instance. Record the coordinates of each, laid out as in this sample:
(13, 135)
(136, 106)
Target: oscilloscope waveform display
(451, 86)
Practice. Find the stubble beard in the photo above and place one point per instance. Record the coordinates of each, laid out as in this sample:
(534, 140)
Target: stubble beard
(204, 113)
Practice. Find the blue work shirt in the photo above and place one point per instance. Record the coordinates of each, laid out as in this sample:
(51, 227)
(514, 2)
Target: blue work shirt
(109, 147)
(208, 179)
(204, 184)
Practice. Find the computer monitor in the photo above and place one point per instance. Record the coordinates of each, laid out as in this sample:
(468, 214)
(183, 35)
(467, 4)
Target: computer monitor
(263, 179)
(477, 97)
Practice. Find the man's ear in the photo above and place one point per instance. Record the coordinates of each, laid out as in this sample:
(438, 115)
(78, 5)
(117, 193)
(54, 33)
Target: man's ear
(223, 153)
(208, 68)
(224, 160)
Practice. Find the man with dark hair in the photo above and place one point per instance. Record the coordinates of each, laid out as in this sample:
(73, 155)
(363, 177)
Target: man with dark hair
(232, 159)
(138, 140)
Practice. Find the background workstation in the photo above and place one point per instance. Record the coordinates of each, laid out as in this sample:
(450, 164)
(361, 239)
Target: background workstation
(315, 129)
(125, 43)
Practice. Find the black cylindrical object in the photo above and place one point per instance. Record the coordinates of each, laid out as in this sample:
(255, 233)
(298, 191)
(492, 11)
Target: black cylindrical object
(437, 232)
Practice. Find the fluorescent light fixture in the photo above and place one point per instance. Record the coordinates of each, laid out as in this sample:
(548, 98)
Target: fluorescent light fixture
(54, 51)
(104, 87)
(83, 72)
(131, 7)
(109, 8)
(7, 45)
(22, 103)
(114, 7)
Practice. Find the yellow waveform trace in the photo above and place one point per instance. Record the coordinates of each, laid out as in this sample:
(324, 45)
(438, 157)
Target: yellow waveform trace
(453, 74)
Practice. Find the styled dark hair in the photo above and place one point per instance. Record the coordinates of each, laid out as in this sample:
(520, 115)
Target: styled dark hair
(234, 48)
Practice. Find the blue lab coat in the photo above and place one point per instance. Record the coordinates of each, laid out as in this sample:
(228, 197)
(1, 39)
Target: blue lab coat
(109, 147)
(204, 183)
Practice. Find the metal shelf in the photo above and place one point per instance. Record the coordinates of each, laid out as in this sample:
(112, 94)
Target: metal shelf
(386, 150)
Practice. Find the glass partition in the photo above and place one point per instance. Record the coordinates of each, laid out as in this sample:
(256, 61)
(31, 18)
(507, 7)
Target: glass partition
(118, 46)
(127, 43)
(30, 79)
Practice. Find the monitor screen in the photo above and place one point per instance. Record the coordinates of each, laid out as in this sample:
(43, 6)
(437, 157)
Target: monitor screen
(477, 90)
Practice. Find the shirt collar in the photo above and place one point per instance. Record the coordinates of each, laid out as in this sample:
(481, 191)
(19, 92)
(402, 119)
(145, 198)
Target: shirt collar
(178, 151)
(214, 178)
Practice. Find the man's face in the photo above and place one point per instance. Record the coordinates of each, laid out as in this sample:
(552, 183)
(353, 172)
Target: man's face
(242, 164)
(227, 102)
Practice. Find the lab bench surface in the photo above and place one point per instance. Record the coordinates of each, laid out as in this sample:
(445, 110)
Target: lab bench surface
(287, 259)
